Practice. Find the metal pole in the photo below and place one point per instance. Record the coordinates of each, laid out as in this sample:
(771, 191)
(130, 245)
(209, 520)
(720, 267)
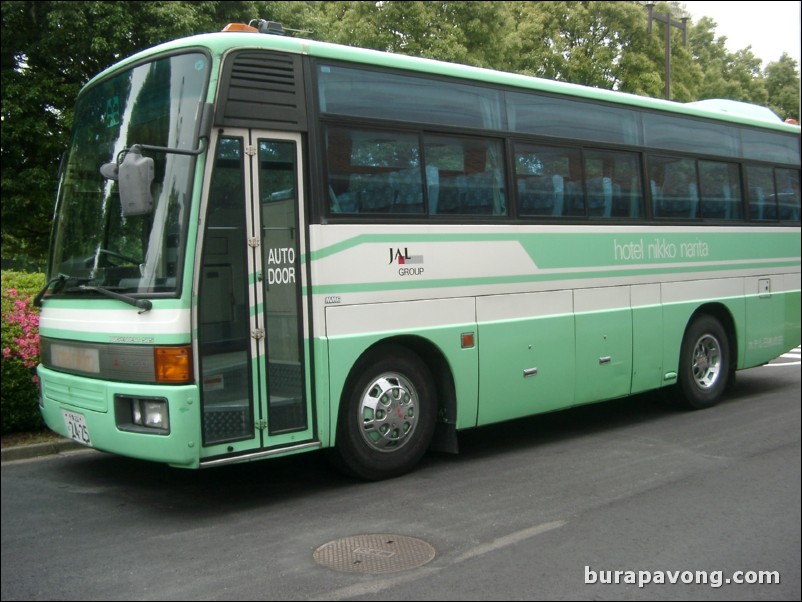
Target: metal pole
(669, 23)
(668, 57)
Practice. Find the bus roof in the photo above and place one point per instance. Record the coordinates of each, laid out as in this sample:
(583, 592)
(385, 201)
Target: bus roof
(221, 42)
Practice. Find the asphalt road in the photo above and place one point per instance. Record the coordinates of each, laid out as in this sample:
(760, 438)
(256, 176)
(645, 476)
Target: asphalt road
(542, 508)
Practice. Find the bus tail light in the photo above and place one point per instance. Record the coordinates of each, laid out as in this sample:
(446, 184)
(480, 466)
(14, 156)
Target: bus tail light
(173, 365)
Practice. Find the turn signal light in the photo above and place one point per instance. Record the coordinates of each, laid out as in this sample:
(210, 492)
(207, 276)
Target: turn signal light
(173, 365)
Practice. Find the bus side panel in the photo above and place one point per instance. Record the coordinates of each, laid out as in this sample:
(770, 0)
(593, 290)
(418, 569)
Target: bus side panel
(603, 321)
(321, 388)
(94, 401)
(647, 338)
(793, 330)
(682, 299)
(352, 330)
(765, 320)
(526, 354)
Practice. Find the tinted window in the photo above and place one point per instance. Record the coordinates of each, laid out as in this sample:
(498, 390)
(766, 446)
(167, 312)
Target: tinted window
(363, 93)
(374, 171)
(787, 194)
(566, 118)
(692, 135)
(770, 146)
(720, 190)
(760, 192)
(548, 180)
(772, 193)
(465, 175)
(673, 186)
(613, 184)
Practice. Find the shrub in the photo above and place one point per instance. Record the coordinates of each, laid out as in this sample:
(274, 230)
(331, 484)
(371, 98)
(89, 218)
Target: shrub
(19, 410)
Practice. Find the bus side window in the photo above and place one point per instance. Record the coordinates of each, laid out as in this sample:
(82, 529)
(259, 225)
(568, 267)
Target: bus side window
(543, 185)
(541, 195)
(678, 196)
(613, 183)
(720, 190)
(760, 193)
(787, 194)
(599, 192)
(407, 189)
(373, 171)
(469, 175)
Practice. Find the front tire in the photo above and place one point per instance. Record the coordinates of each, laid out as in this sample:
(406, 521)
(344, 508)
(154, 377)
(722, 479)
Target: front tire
(387, 414)
(705, 365)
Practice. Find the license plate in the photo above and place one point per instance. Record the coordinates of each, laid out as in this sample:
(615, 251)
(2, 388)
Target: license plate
(76, 427)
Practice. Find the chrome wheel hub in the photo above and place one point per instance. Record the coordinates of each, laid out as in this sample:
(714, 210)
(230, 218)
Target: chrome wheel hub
(706, 361)
(388, 412)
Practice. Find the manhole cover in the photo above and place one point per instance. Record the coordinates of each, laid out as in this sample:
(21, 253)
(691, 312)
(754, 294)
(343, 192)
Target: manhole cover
(374, 554)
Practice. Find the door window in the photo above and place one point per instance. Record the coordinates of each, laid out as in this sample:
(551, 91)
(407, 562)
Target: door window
(223, 317)
(278, 196)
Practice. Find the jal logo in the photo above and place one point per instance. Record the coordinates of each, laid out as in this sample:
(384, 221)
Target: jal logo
(402, 257)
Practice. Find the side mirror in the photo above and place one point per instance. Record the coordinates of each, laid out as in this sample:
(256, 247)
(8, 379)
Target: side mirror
(135, 177)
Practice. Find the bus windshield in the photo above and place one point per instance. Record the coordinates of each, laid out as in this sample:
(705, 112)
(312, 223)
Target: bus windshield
(95, 243)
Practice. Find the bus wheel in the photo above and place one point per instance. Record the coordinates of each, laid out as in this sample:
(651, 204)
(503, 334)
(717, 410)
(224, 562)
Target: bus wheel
(387, 416)
(704, 363)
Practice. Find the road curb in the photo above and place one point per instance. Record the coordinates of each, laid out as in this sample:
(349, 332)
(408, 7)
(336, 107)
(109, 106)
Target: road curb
(36, 450)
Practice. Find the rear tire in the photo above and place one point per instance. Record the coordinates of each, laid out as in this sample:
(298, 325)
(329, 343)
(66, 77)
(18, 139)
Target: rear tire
(387, 414)
(704, 364)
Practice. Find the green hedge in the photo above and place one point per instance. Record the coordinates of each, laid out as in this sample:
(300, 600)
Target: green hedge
(19, 409)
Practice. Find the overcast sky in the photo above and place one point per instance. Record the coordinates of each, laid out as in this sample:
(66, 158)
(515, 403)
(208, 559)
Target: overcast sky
(771, 28)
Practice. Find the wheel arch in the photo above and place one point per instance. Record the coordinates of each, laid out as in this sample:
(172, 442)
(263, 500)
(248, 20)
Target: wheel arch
(702, 379)
(436, 361)
(723, 314)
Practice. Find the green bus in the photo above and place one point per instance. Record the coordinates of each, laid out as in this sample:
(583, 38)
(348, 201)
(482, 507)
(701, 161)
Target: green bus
(265, 245)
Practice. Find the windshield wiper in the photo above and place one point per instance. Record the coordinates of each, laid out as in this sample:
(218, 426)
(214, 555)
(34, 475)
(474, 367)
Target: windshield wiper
(143, 304)
(58, 281)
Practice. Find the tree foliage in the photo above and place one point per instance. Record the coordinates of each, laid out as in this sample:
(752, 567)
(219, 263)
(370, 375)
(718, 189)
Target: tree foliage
(50, 49)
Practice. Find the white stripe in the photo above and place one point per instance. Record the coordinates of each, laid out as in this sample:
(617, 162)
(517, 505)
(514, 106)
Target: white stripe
(499, 308)
(508, 540)
(117, 321)
(382, 317)
(679, 292)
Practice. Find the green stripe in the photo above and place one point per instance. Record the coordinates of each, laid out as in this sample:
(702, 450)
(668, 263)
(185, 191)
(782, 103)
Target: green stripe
(586, 249)
(532, 278)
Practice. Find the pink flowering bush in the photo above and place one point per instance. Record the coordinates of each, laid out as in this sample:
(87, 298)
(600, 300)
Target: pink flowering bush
(22, 323)
(20, 352)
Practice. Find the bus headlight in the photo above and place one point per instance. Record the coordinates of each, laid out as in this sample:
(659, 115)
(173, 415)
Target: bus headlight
(142, 414)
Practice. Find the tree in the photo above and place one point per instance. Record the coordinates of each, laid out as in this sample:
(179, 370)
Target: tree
(782, 86)
(49, 51)
(712, 53)
(448, 31)
(582, 42)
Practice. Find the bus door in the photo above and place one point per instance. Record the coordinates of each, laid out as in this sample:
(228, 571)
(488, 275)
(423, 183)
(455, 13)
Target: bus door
(251, 319)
